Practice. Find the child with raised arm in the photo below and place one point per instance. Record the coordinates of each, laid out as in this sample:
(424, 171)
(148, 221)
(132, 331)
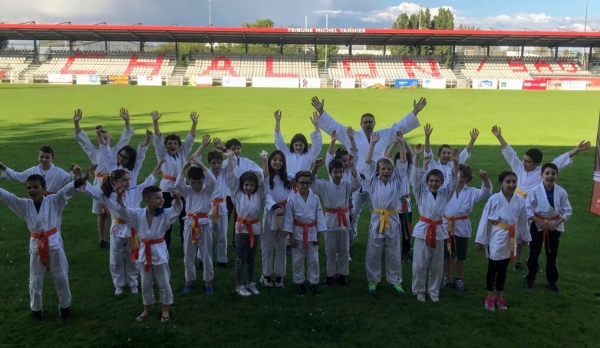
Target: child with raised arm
(457, 223)
(549, 207)
(432, 196)
(124, 244)
(298, 155)
(197, 234)
(151, 224)
(303, 221)
(336, 195)
(128, 158)
(529, 172)
(43, 215)
(175, 155)
(273, 242)
(102, 171)
(218, 213)
(444, 161)
(503, 225)
(248, 195)
(342, 154)
(55, 177)
(384, 184)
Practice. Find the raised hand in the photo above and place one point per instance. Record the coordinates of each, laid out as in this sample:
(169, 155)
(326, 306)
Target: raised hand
(474, 133)
(149, 135)
(77, 115)
(350, 132)
(584, 145)
(483, 175)
(428, 130)
(264, 156)
(205, 139)
(426, 161)
(176, 196)
(399, 137)
(90, 172)
(334, 136)
(497, 131)
(218, 143)
(124, 114)
(350, 162)
(455, 156)
(189, 162)
(374, 137)
(155, 116)
(319, 105)
(75, 169)
(229, 154)
(315, 118)
(194, 117)
(277, 115)
(419, 105)
(418, 150)
(319, 162)
(478, 246)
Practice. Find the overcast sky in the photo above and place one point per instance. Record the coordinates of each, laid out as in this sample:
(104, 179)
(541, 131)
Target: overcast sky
(506, 14)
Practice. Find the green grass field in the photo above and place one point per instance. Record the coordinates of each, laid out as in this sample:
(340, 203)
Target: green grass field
(555, 121)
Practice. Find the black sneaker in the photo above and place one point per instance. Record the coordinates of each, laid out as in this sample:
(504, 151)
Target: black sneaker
(313, 288)
(328, 281)
(223, 264)
(552, 287)
(103, 244)
(65, 312)
(529, 284)
(518, 267)
(37, 315)
(300, 289)
(342, 280)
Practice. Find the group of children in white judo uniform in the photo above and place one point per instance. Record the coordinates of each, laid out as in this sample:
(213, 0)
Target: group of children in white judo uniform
(528, 208)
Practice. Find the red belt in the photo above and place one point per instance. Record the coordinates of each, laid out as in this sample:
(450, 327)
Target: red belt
(341, 215)
(195, 224)
(430, 238)
(545, 235)
(169, 177)
(43, 244)
(305, 228)
(148, 251)
(240, 221)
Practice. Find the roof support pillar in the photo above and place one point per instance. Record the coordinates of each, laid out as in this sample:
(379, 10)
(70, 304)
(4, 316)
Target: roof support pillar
(487, 51)
(106, 46)
(176, 53)
(36, 53)
(246, 47)
(350, 49)
(212, 48)
(71, 46)
(522, 51)
(452, 59)
(141, 46)
(384, 47)
(556, 52)
(589, 58)
(280, 48)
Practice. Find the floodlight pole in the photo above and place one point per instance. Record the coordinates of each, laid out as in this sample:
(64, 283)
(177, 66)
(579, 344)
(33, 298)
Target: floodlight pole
(584, 30)
(210, 13)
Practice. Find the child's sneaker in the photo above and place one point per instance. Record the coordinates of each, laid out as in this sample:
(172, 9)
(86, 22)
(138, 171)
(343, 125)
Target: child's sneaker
(242, 291)
(398, 288)
(342, 280)
(446, 282)
(300, 289)
(459, 285)
(119, 291)
(328, 281)
(313, 288)
(279, 282)
(134, 290)
(37, 315)
(372, 288)
(518, 267)
(187, 288)
(266, 281)
(252, 288)
(421, 297)
(434, 298)
(209, 290)
(65, 312)
(552, 287)
(500, 303)
(489, 304)
(529, 284)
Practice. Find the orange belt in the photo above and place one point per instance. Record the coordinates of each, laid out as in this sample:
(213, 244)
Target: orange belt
(511, 233)
(215, 210)
(148, 251)
(195, 224)
(43, 244)
(103, 176)
(545, 234)
(341, 215)
(169, 177)
(430, 238)
(135, 244)
(305, 228)
(240, 221)
(404, 200)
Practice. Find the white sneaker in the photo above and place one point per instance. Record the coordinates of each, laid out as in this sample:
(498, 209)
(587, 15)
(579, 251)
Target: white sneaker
(421, 297)
(434, 298)
(279, 282)
(252, 288)
(446, 282)
(266, 281)
(119, 291)
(134, 290)
(242, 291)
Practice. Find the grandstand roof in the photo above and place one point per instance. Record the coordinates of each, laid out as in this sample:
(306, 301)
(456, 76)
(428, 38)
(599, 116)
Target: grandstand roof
(339, 36)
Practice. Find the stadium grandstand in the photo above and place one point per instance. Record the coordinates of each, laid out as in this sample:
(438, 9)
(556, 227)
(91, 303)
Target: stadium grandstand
(212, 68)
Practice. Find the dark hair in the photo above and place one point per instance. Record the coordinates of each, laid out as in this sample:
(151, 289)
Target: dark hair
(340, 152)
(303, 173)
(299, 138)
(535, 154)
(149, 191)
(442, 147)
(249, 176)
(107, 185)
(37, 177)
(336, 164)
(173, 137)
(367, 115)
(132, 153)
(504, 174)
(47, 149)
(465, 172)
(215, 154)
(196, 173)
(232, 142)
(104, 131)
(408, 159)
(550, 165)
(282, 172)
(435, 172)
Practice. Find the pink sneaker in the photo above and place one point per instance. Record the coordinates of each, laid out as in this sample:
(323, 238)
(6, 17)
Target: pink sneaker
(489, 304)
(501, 303)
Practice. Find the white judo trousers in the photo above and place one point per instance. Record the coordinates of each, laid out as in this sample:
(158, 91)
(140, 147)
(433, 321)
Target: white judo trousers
(311, 255)
(161, 275)
(393, 262)
(202, 246)
(272, 246)
(219, 230)
(425, 257)
(122, 269)
(59, 269)
(359, 199)
(337, 245)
